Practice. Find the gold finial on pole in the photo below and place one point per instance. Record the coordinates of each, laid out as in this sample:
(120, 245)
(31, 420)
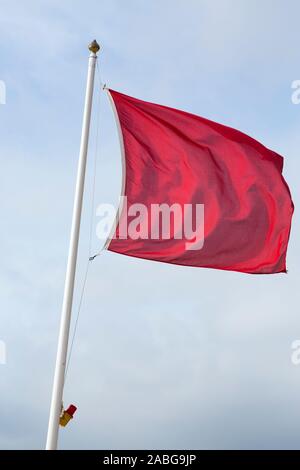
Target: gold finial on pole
(94, 47)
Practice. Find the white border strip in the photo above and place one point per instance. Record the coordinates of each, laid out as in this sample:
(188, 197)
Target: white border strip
(121, 140)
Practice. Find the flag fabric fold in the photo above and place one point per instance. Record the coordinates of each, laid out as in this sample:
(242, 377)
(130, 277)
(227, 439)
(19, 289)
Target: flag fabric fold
(174, 157)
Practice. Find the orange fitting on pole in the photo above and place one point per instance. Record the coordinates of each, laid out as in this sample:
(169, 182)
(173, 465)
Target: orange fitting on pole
(67, 415)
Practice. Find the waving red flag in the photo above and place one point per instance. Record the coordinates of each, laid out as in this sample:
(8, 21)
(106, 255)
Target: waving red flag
(180, 161)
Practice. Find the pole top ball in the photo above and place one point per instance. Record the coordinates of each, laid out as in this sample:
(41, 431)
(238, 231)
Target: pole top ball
(94, 47)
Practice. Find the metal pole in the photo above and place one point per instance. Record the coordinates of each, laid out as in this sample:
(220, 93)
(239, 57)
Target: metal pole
(62, 349)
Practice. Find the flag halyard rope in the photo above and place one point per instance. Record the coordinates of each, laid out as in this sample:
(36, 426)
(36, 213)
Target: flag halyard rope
(90, 258)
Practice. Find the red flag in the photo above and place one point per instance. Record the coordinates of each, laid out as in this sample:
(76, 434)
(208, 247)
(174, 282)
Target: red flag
(173, 157)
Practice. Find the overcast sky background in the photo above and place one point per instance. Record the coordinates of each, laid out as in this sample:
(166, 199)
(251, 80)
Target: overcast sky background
(165, 356)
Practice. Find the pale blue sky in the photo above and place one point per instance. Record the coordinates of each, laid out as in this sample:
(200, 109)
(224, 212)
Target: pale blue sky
(165, 356)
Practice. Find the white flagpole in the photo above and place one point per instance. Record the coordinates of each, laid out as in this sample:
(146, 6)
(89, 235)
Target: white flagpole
(62, 349)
